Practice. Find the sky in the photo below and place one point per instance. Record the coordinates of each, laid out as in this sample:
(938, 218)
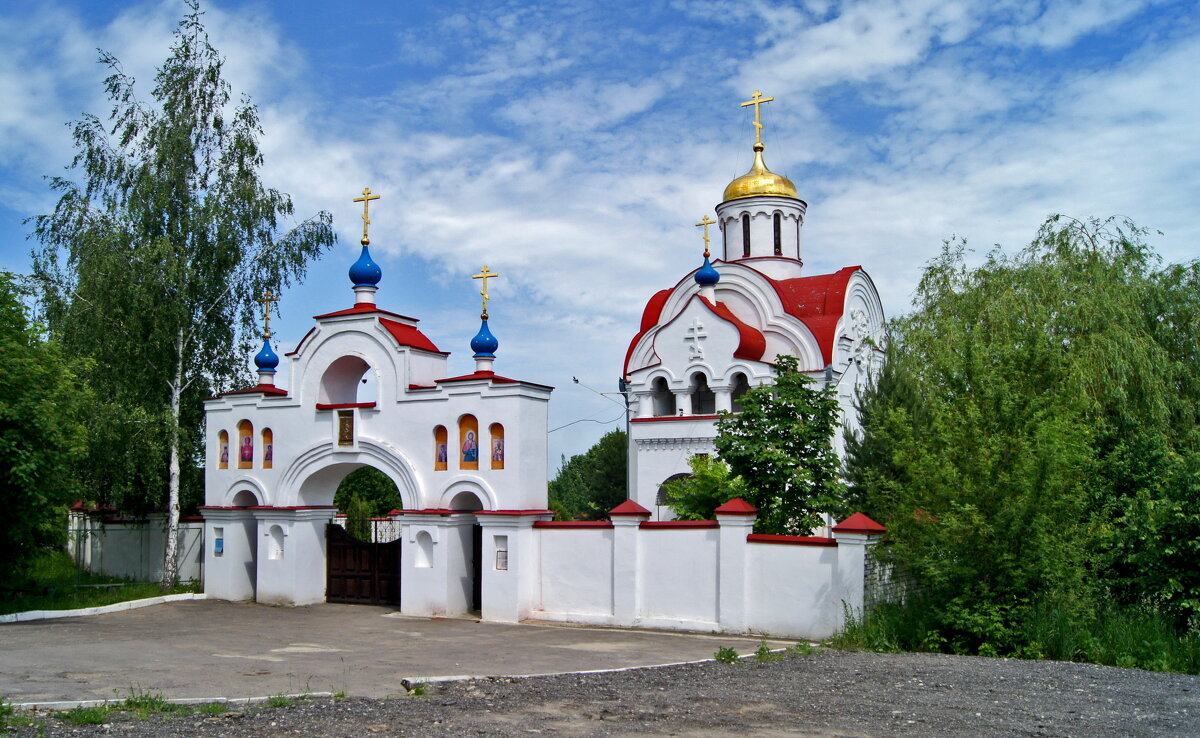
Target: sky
(571, 146)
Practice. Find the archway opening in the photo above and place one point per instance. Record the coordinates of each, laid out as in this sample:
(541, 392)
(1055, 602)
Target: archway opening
(346, 381)
(471, 539)
(664, 398)
(740, 387)
(704, 402)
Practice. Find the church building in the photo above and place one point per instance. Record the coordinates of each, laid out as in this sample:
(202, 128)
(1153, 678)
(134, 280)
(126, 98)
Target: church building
(715, 334)
(468, 454)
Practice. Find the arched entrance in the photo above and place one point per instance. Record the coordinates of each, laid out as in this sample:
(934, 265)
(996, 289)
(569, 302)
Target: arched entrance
(362, 558)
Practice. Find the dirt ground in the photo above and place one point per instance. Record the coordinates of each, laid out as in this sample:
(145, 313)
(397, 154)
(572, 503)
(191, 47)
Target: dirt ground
(827, 693)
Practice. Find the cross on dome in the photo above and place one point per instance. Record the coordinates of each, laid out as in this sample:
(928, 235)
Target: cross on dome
(266, 300)
(485, 275)
(706, 222)
(366, 199)
(757, 100)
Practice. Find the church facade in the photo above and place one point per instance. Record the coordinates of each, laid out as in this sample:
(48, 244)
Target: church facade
(468, 454)
(715, 334)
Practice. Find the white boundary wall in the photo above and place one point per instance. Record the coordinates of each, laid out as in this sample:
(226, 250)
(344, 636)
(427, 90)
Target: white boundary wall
(133, 549)
(707, 576)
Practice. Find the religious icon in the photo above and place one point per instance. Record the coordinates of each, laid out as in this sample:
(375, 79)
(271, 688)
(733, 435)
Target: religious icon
(441, 453)
(268, 453)
(247, 453)
(498, 449)
(224, 453)
(470, 449)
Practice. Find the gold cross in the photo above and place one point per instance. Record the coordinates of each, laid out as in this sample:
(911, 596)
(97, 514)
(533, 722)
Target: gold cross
(706, 222)
(757, 100)
(485, 275)
(266, 301)
(366, 201)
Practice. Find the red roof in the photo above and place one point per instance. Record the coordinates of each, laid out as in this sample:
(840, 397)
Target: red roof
(650, 318)
(751, 344)
(493, 376)
(358, 309)
(859, 523)
(409, 335)
(266, 389)
(818, 302)
(629, 507)
(737, 506)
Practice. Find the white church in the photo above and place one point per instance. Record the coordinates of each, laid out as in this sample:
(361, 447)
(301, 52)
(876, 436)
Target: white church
(468, 454)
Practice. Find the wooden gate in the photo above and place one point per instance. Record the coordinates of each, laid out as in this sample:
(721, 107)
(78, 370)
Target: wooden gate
(360, 573)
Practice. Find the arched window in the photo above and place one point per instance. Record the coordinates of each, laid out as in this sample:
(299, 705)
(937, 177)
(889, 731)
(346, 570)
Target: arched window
(276, 551)
(496, 431)
(704, 402)
(223, 450)
(778, 235)
(740, 387)
(268, 448)
(245, 444)
(662, 498)
(664, 398)
(745, 234)
(441, 453)
(468, 442)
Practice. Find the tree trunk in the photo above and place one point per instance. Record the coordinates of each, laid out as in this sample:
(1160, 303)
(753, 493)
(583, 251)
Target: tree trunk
(171, 557)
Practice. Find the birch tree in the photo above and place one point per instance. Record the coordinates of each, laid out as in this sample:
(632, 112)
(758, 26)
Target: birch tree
(150, 264)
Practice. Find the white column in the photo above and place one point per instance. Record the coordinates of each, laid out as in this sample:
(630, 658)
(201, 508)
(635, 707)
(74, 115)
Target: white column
(626, 583)
(230, 573)
(724, 400)
(851, 569)
(731, 590)
(424, 562)
(291, 554)
(510, 566)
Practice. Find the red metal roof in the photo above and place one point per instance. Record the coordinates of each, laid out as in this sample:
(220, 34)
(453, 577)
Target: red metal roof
(409, 335)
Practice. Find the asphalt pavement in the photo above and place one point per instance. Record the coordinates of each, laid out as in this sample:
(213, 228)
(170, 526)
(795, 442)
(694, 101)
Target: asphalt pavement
(211, 649)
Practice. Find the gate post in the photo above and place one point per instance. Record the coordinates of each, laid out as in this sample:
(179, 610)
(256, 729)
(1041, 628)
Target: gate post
(510, 561)
(230, 552)
(291, 554)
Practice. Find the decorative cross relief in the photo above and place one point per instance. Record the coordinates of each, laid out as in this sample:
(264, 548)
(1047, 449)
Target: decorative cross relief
(860, 328)
(696, 334)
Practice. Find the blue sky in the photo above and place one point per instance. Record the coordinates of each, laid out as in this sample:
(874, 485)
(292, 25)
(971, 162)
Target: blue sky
(571, 146)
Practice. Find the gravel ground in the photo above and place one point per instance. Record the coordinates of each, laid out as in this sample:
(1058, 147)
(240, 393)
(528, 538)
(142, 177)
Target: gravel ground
(827, 693)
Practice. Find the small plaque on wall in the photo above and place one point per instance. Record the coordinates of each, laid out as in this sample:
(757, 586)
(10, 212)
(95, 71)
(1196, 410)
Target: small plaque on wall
(345, 427)
(502, 561)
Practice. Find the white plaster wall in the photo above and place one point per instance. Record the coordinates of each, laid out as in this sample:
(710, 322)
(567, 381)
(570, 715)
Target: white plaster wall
(678, 575)
(233, 574)
(577, 571)
(135, 550)
(793, 590)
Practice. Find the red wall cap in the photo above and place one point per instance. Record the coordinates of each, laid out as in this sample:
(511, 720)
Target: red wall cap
(682, 524)
(790, 540)
(573, 524)
(859, 523)
(737, 506)
(660, 418)
(344, 405)
(629, 507)
(509, 512)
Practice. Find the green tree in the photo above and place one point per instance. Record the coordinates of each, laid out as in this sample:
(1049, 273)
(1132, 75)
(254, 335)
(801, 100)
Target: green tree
(358, 518)
(710, 485)
(780, 446)
(590, 484)
(42, 401)
(1034, 438)
(376, 490)
(151, 265)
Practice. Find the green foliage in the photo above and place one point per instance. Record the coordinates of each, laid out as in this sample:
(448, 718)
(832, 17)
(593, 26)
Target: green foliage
(726, 655)
(590, 484)
(279, 700)
(51, 581)
(213, 708)
(374, 487)
(1034, 437)
(764, 655)
(86, 715)
(779, 444)
(710, 485)
(42, 435)
(358, 518)
(151, 265)
(803, 648)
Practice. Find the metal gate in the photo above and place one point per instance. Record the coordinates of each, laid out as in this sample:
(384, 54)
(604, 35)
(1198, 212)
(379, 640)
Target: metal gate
(360, 573)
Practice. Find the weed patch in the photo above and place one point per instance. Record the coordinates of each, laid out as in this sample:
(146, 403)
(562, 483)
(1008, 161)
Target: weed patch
(726, 655)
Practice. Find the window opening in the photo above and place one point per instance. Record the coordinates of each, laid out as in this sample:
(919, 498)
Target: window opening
(745, 234)
(778, 236)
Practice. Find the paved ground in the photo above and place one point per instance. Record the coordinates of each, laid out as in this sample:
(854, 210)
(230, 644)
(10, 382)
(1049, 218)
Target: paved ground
(206, 649)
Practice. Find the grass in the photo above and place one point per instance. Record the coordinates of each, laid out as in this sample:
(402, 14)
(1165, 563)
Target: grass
(726, 655)
(279, 700)
(54, 583)
(86, 715)
(1125, 636)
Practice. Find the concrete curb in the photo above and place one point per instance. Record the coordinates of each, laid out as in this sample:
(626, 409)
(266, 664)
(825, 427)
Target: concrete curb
(21, 617)
(73, 704)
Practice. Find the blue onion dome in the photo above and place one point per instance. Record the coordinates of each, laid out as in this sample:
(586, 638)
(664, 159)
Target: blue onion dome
(266, 360)
(484, 343)
(707, 275)
(365, 272)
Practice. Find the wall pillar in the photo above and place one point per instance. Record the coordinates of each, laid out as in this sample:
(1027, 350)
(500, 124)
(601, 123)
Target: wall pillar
(736, 519)
(230, 553)
(291, 554)
(724, 400)
(509, 564)
(854, 536)
(626, 518)
(424, 562)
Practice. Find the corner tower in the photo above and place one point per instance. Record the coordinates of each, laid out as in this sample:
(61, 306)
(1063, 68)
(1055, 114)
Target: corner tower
(761, 215)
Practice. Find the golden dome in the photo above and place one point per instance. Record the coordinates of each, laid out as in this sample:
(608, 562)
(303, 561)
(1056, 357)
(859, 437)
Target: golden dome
(760, 181)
